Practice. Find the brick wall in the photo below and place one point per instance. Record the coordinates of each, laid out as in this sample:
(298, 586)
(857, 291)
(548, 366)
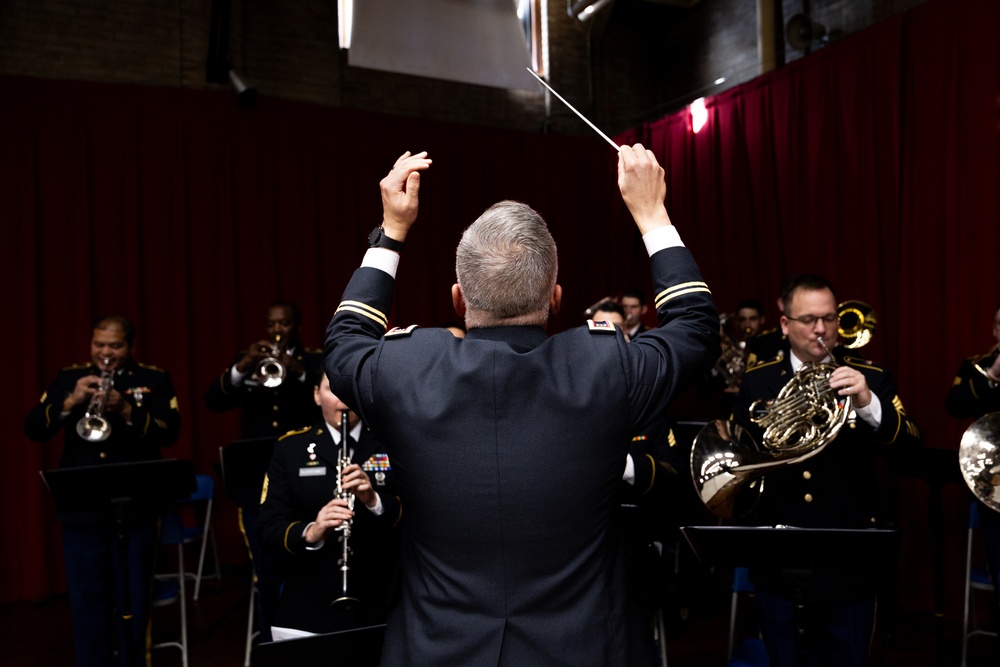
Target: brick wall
(635, 61)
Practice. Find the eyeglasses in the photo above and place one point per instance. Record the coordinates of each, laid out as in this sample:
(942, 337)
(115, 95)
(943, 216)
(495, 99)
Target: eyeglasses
(809, 320)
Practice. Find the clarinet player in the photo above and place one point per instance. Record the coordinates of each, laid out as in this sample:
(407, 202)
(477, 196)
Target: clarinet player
(301, 513)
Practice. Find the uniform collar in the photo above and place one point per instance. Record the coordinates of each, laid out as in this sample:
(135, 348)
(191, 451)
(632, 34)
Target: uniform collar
(525, 337)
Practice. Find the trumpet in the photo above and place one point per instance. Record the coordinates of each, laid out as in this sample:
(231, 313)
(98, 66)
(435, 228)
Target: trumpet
(270, 370)
(345, 599)
(93, 427)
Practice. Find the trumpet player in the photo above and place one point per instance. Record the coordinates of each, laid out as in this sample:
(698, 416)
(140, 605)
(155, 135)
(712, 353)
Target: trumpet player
(270, 410)
(300, 515)
(974, 393)
(836, 488)
(139, 408)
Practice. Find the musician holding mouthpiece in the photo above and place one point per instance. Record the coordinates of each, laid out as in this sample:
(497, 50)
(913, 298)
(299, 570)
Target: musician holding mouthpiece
(836, 488)
(110, 410)
(976, 392)
(300, 515)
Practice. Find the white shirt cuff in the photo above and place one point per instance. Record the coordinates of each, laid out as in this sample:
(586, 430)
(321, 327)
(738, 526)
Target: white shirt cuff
(381, 259)
(312, 547)
(660, 238)
(871, 414)
(236, 377)
(629, 476)
(379, 508)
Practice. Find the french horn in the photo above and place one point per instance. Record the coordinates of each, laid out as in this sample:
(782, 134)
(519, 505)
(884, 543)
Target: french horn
(728, 466)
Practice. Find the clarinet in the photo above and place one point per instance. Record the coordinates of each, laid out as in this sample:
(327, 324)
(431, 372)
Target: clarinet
(343, 460)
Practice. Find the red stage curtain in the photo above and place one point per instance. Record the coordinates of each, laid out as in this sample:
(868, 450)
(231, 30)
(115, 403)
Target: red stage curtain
(873, 161)
(876, 162)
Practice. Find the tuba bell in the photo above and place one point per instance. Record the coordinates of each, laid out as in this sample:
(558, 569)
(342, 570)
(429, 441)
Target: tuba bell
(979, 459)
(728, 466)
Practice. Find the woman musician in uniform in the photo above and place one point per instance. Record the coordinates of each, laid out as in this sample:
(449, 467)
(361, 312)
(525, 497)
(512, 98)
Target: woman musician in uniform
(301, 517)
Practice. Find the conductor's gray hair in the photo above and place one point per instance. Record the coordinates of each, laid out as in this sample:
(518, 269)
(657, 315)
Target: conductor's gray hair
(506, 265)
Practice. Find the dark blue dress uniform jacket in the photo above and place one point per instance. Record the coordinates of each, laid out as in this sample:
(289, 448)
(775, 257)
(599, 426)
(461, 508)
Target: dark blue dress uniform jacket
(508, 447)
(269, 411)
(837, 488)
(156, 421)
(296, 488)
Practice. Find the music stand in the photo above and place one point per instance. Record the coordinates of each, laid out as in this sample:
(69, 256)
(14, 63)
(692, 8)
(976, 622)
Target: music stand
(114, 489)
(797, 553)
(361, 647)
(244, 464)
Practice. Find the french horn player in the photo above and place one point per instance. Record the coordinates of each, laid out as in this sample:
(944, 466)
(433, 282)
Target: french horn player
(819, 479)
(975, 394)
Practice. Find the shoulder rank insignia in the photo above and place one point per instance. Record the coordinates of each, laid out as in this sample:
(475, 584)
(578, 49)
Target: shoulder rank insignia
(399, 332)
(600, 327)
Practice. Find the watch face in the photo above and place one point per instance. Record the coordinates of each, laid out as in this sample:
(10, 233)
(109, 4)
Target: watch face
(374, 237)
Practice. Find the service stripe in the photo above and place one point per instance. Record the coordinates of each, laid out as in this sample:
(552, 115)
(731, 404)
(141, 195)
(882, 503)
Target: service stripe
(363, 309)
(690, 289)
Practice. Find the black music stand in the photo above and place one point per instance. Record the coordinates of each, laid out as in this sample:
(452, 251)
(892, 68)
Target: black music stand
(797, 553)
(361, 647)
(114, 490)
(244, 464)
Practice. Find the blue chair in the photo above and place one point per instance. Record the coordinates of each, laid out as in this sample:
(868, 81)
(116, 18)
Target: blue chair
(748, 652)
(976, 579)
(203, 532)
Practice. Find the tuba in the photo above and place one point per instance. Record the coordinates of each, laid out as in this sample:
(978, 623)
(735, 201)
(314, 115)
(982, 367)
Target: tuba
(345, 599)
(979, 459)
(93, 427)
(270, 370)
(728, 466)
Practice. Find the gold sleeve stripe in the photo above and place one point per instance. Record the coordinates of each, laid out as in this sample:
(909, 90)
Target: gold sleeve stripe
(682, 293)
(174, 405)
(398, 516)
(671, 438)
(46, 395)
(364, 309)
(652, 477)
(290, 526)
(263, 490)
(680, 290)
(957, 382)
(160, 423)
(898, 404)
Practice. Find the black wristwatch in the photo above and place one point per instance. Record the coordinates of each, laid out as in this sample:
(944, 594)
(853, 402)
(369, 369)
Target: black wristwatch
(378, 239)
